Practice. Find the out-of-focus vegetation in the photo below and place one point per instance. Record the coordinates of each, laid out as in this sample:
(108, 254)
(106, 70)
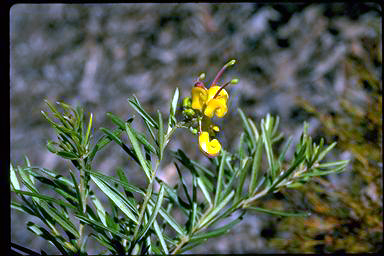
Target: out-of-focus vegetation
(347, 217)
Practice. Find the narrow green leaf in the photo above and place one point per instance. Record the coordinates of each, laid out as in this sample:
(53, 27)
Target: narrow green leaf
(45, 198)
(84, 244)
(160, 136)
(254, 129)
(317, 151)
(99, 209)
(174, 198)
(241, 146)
(154, 213)
(229, 187)
(116, 120)
(261, 182)
(214, 233)
(268, 148)
(150, 129)
(202, 168)
(47, 236)
(22, 208)
(101, 226)
(104, 241)
(27, 162)
(155, 250)
(136, 105)
(318, 172)
(215, 210)
(65, 223)
(175, 99)
(27, 180)
(143, 140)
(170, 221)
(204, 189)
(20, 248)
(111, 179)
(256, 163)
(184, 186)
(193, 212)
(78, 193)
(172, 109)
(220, 178)
(120, 201)
(34, 228)
(184, 159)
(299, 158)
(276, 122)
(136, 148)
(124, 179)
(14, 181)
(159, 234)
(285, 149)
(57, 182)
(277, 138)
(247, 128)
(88, 129)
(68, 155)
(279, 213)
(111, 135)
(103, 141)
(229, 165)
(245, 165)
(332, 164)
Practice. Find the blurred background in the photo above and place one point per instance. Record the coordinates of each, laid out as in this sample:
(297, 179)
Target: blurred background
(320, 63)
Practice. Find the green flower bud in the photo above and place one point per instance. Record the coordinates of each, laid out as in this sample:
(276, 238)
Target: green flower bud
(189, 113)
(187, 102)
(193, 130)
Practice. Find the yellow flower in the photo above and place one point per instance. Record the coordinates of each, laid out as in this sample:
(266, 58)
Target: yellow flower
(209, 102)
(210, 148)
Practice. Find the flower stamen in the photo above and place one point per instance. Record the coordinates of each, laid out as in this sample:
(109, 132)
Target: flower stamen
(230, 63)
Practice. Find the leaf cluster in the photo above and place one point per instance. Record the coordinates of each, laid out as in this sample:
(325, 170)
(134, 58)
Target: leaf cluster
(142, 220)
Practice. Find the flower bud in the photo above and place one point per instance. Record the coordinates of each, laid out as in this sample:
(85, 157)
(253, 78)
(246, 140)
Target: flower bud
(187, 102)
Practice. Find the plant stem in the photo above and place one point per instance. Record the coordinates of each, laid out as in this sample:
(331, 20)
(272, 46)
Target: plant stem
(185, 239)
(83, 198)
(244, 204)
(147, 196)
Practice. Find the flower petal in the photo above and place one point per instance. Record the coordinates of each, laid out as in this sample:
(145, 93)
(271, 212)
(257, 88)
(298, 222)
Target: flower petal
(210, 148)
(223, 94)
(199, 97)
(216, 106)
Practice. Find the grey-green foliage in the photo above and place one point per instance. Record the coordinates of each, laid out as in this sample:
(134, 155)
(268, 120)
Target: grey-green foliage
(141, 220)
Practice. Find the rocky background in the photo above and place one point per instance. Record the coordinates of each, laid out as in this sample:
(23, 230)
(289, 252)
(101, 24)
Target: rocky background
(97, 56)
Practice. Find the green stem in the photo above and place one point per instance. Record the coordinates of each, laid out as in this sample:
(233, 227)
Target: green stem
(83, 196)
(185, 239)
(246, 203)
(147, 197)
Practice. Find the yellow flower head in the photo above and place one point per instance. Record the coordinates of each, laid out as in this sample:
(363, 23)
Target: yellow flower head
(208, 102)
(213, 100)
(210, 148)
(205, 104)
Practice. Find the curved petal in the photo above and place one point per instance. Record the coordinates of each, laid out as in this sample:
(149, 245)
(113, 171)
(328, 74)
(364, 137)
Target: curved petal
(199, 97)
(223, 94)
(210, 148)
(216, 106)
